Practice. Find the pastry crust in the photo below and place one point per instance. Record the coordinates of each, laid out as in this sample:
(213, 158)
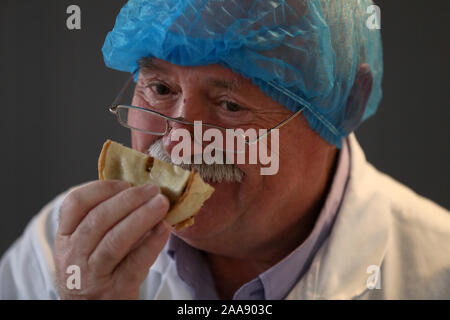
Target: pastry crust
(102, 159)
(186, 190)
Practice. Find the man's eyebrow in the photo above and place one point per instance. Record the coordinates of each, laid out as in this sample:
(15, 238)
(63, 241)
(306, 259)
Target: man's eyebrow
(149, 64)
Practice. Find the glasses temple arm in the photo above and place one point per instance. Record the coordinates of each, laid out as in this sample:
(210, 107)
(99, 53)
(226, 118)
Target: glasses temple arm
(284, 122)
(122, 91)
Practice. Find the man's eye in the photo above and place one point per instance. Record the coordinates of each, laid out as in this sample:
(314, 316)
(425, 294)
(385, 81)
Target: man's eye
(160, 88)
(231, 106)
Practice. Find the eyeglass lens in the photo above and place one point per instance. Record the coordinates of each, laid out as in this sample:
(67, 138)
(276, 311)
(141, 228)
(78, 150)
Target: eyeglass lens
(214, 138)
(141, 120)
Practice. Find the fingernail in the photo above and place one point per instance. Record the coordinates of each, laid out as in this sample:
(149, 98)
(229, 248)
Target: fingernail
(151, 188)
(157, 202)
(124, 184)
(161, 228)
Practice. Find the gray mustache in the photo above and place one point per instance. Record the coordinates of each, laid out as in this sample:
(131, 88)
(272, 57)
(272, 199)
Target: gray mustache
(208, 172)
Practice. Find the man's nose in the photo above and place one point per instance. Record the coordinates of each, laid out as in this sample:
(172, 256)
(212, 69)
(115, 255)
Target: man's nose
(191, 108)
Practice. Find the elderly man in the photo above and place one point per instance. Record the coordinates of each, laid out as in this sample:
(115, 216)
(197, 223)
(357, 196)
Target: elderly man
(327, 225)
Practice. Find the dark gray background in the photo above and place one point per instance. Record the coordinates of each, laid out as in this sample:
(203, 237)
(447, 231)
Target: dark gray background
(55, 90)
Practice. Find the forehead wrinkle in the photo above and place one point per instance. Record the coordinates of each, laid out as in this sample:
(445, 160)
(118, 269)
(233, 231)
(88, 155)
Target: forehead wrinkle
(231, 85)
(151, 65)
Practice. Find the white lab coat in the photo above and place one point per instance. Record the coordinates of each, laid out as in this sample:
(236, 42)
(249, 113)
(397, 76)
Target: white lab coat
(387, 243)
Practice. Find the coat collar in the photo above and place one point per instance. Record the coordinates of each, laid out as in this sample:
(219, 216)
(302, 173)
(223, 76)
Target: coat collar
(358, 239)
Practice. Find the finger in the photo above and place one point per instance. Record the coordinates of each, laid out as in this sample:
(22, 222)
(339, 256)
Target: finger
(82, 199)
(135, 267)
(118, 242)
(108, 213)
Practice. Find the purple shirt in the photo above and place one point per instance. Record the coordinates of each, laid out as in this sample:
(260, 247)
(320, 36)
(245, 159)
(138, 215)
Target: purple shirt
(276, 282)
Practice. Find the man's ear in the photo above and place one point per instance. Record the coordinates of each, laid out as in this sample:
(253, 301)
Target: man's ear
(358, 98)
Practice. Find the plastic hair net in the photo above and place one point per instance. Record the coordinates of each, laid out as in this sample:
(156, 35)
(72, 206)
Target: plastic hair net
(302, 53)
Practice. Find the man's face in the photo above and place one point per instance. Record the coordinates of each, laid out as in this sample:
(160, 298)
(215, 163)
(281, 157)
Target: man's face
(255, 213)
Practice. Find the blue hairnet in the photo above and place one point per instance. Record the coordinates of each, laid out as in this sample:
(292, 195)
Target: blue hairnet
(301, 53)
